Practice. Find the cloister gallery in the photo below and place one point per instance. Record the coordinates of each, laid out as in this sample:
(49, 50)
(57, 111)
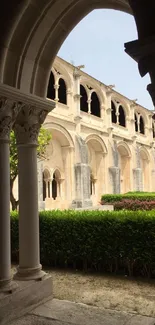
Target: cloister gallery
(81, 113)
(102, 142)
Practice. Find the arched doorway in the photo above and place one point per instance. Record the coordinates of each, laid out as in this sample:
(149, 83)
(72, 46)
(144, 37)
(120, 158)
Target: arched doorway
(60, 160)
(125, 168)
(96, 157)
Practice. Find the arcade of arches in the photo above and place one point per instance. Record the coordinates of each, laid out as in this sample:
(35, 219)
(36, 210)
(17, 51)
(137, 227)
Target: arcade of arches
(95, 131)
(118, 135)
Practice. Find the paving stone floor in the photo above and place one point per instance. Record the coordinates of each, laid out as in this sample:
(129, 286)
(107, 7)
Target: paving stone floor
(62, 312)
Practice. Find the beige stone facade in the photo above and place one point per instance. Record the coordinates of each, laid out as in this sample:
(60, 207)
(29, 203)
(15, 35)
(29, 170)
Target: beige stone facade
(117, 134)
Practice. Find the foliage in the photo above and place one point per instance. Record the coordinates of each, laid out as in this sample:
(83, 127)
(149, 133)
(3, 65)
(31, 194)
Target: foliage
(43, 140)
(134, 205)
(121, 242)
(141, 196)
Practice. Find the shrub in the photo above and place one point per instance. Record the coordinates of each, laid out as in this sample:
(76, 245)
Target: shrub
(134, 205)
(111, 198)
(113, 241)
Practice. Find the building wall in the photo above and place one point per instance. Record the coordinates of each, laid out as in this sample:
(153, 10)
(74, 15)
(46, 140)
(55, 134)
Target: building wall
(100, 139)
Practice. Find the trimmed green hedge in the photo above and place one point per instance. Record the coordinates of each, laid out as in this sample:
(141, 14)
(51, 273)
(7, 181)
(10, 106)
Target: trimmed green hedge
(141, 196)
(113, 241)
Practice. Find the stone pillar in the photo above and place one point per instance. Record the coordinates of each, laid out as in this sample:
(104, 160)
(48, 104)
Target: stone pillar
(138, 179)
(115, 175)
(41, 203)
(82, 176)
(51, 190)
(46, 181)
(82, 186)
(26, 128)
(56, 87)
(89, 106)
(8, 113)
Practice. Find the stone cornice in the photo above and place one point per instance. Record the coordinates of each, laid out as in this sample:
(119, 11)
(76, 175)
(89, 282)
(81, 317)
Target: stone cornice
(18, 96)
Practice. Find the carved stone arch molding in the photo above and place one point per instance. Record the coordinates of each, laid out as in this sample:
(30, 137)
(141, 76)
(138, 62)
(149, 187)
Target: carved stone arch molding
(93, 86)
(67, 137)
(98, 143)
(62, 72)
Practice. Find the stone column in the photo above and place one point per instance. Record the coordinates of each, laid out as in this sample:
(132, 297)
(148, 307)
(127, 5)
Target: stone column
(82, 176)
(115, 176)
(8, 113)
(46, 181)
(26, 128)
(41, 203)
(56, 87)
(51, 190)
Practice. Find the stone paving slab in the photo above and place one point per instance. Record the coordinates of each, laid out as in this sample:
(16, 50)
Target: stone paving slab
(61, 312)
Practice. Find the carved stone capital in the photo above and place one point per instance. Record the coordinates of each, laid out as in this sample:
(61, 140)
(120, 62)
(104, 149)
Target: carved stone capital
(28, 124)
(9, 110)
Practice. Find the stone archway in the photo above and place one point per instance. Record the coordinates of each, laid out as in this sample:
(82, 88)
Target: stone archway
(96, 157)
(125, 167)
(33, 32)
(27, 67)
(145, 169)
(59, 160)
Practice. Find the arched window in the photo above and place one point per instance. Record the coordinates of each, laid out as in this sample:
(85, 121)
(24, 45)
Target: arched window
(141, 125)
(62, 92)
(51, 90)
(113, 113)
(95, 105)
(83, 99)
(136, 123)
(121, 116)
(46, 184)
(54, 187)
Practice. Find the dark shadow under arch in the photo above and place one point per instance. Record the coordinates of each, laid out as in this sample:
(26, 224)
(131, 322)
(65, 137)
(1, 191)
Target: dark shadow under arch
(136, 123)
(141, 125)
(95, 105)
(54, 187)
(62, 92)
(122, 120)
(113, 113)
(51, 90)
(83, 99)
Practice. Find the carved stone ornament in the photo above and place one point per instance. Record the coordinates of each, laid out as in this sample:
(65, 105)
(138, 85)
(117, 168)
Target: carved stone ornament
(28, 124)
(9, 110)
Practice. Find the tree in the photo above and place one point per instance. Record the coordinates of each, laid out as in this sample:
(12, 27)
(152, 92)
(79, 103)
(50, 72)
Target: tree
(43, 140)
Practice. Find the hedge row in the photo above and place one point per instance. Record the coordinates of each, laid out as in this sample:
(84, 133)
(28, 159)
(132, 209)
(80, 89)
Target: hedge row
(114, 241)
(134, 205)
(141, 196)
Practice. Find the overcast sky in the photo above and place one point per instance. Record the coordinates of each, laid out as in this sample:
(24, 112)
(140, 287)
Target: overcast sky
(98, 43)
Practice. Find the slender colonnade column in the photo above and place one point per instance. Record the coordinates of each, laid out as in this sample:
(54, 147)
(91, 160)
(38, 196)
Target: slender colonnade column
(8, 113)
(26, 129)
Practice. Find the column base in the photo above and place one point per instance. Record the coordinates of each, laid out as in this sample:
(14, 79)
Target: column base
(7, 286)
(27, 274)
